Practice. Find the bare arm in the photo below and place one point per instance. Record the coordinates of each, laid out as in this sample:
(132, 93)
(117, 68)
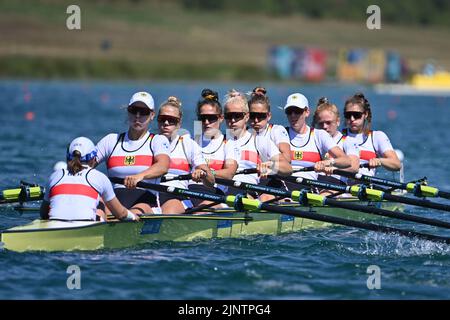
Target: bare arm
(285, 150)
(228, 171)
(159, 168)
(118, 210)
(204, 174)
(390, 161)
(281, 165)
(341, 160)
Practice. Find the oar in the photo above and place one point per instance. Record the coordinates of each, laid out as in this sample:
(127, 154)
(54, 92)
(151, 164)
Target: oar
(417, 189)
(189, 176)
(245, 204)
(308, 199)
(364, 193)
(254, 170)
(26, 192)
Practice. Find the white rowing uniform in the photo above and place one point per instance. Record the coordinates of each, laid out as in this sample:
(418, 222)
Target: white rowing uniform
(185, 155)
(348, 145)
(252, 150)
(372, 145)
(125, 157)
(217, 152)
(278, 134)
(75, 197)
(309, 148)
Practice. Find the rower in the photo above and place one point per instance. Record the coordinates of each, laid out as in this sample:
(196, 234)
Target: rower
(219, 153)
(185, 157)
(136, 155)
(308, 145)
(254, 151)
(75, 191)
(326, 117)
(374, 147)
(259, 117)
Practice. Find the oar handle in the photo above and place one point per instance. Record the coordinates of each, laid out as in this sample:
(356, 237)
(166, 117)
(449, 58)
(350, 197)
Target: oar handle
(247, 171)
(307, 169)
(182, 177)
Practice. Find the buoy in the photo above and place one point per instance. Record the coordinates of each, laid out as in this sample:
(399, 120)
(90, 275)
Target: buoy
(29, 116)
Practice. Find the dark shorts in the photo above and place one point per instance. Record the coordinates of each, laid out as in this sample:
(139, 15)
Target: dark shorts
(129, 197)
(272, 182)
(164, 197)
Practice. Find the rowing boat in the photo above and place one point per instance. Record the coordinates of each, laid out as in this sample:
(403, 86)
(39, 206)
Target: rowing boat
(56, 235)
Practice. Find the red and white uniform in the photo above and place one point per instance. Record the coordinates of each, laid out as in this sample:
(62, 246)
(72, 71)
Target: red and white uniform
(75, 197)
(217, 151)
(309, 148)
(370, 146)
(185, 155)
(252, 150)
(125, 157)
(278, 134)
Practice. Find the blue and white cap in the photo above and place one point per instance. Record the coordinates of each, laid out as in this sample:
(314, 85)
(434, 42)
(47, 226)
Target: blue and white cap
(86, 148)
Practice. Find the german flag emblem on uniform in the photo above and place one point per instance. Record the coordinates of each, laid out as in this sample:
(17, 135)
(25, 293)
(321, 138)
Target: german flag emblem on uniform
(298, 155)
(129, 160)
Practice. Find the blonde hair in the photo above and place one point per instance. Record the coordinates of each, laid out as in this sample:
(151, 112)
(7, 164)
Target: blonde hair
(172, 101)
(236, 97)
(324, 105)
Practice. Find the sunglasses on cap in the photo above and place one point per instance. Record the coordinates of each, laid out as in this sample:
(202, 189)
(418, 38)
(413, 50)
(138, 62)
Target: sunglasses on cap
(172, 121)
(210, 117)
(355, 114)
(258, 115)
(294, 110)
(237, 116)
(142, 111)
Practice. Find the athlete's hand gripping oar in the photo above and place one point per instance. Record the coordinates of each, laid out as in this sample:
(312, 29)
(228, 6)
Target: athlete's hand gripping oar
(417, 188)
(26, 192)
(189, 176)
(364, 193)
(308, 199)
(244, 204)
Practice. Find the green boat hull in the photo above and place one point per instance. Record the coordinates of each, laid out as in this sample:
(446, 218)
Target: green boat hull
(52, 235)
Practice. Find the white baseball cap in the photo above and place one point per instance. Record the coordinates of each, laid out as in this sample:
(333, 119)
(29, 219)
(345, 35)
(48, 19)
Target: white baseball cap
(85, 146)
(144, 97)
(296, 100)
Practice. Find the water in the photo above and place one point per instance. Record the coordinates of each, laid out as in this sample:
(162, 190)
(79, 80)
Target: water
(319, 264)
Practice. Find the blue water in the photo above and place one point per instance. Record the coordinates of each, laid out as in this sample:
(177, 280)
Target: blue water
(319, 264)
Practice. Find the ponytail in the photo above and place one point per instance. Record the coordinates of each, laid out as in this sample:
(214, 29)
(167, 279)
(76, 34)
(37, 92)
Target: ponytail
(74, 166)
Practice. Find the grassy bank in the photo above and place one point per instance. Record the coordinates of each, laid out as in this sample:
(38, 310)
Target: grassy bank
(161, 40)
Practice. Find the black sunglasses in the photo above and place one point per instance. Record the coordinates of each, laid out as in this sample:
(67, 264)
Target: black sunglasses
(234, 115)
(355, 114)
(172, 121)
(295, 110)
(210, 117)
(258, 115)
(142, 111)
